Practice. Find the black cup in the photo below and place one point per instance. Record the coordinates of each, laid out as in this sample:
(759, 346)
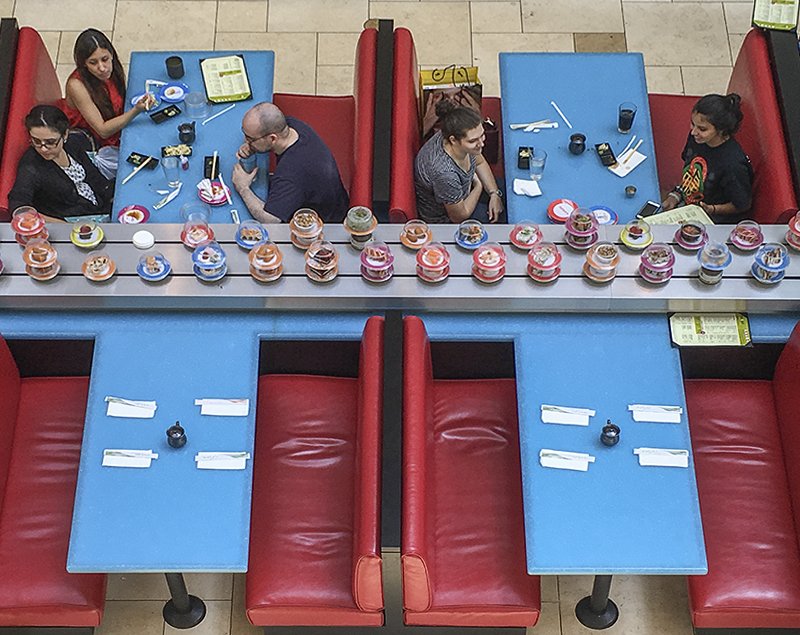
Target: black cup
(610, 434)
(175, 67)
(186, 132)
(577, 143)
(176, 436)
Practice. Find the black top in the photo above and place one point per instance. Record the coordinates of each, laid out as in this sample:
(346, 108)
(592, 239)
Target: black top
(306, 175)
(717, 176)
(46, 187)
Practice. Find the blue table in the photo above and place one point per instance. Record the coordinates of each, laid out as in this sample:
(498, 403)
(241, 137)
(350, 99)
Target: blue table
(223, 134)
(588, 87)
(617, 517)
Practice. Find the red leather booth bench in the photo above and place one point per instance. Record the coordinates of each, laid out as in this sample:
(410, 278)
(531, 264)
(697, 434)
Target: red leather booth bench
(463, 544)
(346, 123)
(41, 427)
(35, 82)
(761, 133)
(746, 441)
(315, 527)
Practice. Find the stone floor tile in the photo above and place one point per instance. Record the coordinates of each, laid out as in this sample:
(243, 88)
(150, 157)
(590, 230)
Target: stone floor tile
(63, 71)
(6, 8)
(240, 625)
(487, 46)
(153, 586)
(337, 48)
(701, 80)
(335, 80)
(664, 79)
(736, 40)
(677, 33)
(496, 17)
(295, 57)
(316, 15)
(53, 15)
(67, 44)
(549, 584)
(600, 43)
(571, 16)
(549, 621)
(131, 618)
(51, 41)
(216, 622)
(239, 15)
(441, 29)
(738, 16)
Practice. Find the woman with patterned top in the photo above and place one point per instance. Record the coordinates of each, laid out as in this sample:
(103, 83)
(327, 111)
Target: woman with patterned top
(55, 175)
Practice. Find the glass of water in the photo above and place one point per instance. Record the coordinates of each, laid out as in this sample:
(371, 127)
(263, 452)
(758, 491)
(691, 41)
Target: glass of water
(537, 161)
(172, 170)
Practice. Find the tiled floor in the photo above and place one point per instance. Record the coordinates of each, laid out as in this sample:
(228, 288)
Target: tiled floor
(688, 47)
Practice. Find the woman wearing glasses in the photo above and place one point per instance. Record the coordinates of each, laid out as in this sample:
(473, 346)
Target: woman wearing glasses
(55, 175)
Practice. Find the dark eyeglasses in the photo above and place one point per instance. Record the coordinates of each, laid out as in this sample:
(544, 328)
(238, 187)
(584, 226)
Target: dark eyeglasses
(252, 140)
(45, 143)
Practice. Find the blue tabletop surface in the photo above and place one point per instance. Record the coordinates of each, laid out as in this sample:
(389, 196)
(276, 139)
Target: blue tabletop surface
(588, 88)
(223, 134)
(619, 517)
(171, 516)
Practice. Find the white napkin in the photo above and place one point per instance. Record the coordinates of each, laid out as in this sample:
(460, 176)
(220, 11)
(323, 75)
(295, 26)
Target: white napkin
(128, 458)
(662, 457)
(623, 170)
(168, 197)
(224, 407)
(222, 460)
(565, 415)
(119, 407)
(562, 460)
(526, 187)
(656, 414)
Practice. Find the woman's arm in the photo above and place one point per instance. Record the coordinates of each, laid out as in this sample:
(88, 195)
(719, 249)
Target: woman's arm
(78, 97)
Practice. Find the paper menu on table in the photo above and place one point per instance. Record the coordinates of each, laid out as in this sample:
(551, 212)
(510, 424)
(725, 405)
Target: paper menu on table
(225, 78)
(566, 415)
(776, 14)
(662, 457)
(656, 414)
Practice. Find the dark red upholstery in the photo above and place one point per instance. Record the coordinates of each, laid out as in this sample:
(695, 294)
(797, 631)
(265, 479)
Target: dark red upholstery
(463, 544)
(490, 107)
(314, 536)
(743, 448)
(345, 123)
(35, 588)
(35, 82)
(761, 133)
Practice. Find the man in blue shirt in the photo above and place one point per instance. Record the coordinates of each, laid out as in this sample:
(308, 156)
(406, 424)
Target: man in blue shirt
(305, 174)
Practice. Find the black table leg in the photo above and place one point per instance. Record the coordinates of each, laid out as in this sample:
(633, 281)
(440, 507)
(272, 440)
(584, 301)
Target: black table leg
(183, 610)
(598, 611)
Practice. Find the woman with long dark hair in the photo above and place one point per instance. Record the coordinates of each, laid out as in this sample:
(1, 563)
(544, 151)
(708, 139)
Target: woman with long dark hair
(95, 91)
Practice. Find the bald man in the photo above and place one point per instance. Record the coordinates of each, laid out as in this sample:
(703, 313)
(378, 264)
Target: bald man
(305, 175)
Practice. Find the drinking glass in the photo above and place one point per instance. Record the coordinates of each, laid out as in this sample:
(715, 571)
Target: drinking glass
(197, 106)
(172, 170)
(627, 111)
(537, 160)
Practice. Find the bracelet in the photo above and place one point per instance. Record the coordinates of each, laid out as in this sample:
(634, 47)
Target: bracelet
(674, 194)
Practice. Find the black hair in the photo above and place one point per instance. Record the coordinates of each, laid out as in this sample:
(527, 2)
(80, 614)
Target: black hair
(86, 44)
(456, 120)
(722, 112)
(48, 117)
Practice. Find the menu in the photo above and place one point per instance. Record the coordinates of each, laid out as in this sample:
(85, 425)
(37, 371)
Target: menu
(776, 14)
(720, 329)
(680, 215)
(225, 79)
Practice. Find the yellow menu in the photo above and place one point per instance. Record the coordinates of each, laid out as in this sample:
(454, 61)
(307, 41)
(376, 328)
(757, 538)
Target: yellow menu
(225, 79)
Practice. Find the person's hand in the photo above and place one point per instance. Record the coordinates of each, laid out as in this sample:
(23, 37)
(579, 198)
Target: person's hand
(146, 102)
(429, 119)
(242, 179)
(708, 209)
(669, 202)
(495, 208)
(244, 151)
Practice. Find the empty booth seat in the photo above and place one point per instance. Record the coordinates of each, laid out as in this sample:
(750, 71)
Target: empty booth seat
(746, 442)
(314, 536)
(761, 133)
(463, 544)
(41, 428)
(345, 123)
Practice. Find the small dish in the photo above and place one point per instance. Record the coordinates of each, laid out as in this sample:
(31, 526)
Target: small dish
(135, 99)
(153, 267)
(133, 215)
(98, 266)
(250, 233)
(173, 93)
(86, 234)
(747, 235)
(219, 194)
(525, 234)
(559, 210)
(416, 234)
(471, 234)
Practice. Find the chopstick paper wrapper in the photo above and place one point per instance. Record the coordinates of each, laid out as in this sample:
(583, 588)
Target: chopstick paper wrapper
(662, 457)
(224, 407)
(565, 460)
(168, 197)
(568, 416)
(656, 414)
(119, 407)
(128, 458)
(222, 460)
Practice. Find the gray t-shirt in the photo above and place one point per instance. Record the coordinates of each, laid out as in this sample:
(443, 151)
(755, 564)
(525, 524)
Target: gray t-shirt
(438, 179)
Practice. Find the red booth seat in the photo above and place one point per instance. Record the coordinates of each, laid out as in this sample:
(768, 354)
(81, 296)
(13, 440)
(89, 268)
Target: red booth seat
(345, 123)
(41, 427)
(463, 543)
(314, 536)
(761, 133)
(746, 441)
(35, 82)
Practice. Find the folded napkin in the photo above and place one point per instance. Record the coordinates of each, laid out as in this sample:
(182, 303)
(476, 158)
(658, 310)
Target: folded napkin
(224, 407)
(569, 416)
(662, 457)
(526, 187)
(563, 460)
(222, 460)
(128, 458)
(656, 414)
(119, 407)
(623, 169)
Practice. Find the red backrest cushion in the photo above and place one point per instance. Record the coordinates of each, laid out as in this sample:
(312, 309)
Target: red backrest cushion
(417, 441)
(786, 389)
(405, 128)
(367, 578)
(761, 134)
(671, 118)
(364, 91)
(9, 406)
(35, 82)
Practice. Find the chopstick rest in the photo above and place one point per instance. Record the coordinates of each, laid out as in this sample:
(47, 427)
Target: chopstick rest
(656, 414)
(119, 407)
(128, 458)
(563, 460)
(222, 460)
(662, 457)
(224, 407)
(566, 415)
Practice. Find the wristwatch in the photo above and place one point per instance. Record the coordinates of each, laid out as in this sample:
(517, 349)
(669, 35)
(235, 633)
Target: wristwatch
(498, 192)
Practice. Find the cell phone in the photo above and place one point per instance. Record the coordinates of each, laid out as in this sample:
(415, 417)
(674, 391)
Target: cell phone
(162, 115)
(137, 160)
(606, 154)
(648, 209)
(207, 163)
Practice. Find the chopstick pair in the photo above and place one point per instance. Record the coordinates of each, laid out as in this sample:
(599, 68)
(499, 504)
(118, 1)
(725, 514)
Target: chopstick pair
(139, 167)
